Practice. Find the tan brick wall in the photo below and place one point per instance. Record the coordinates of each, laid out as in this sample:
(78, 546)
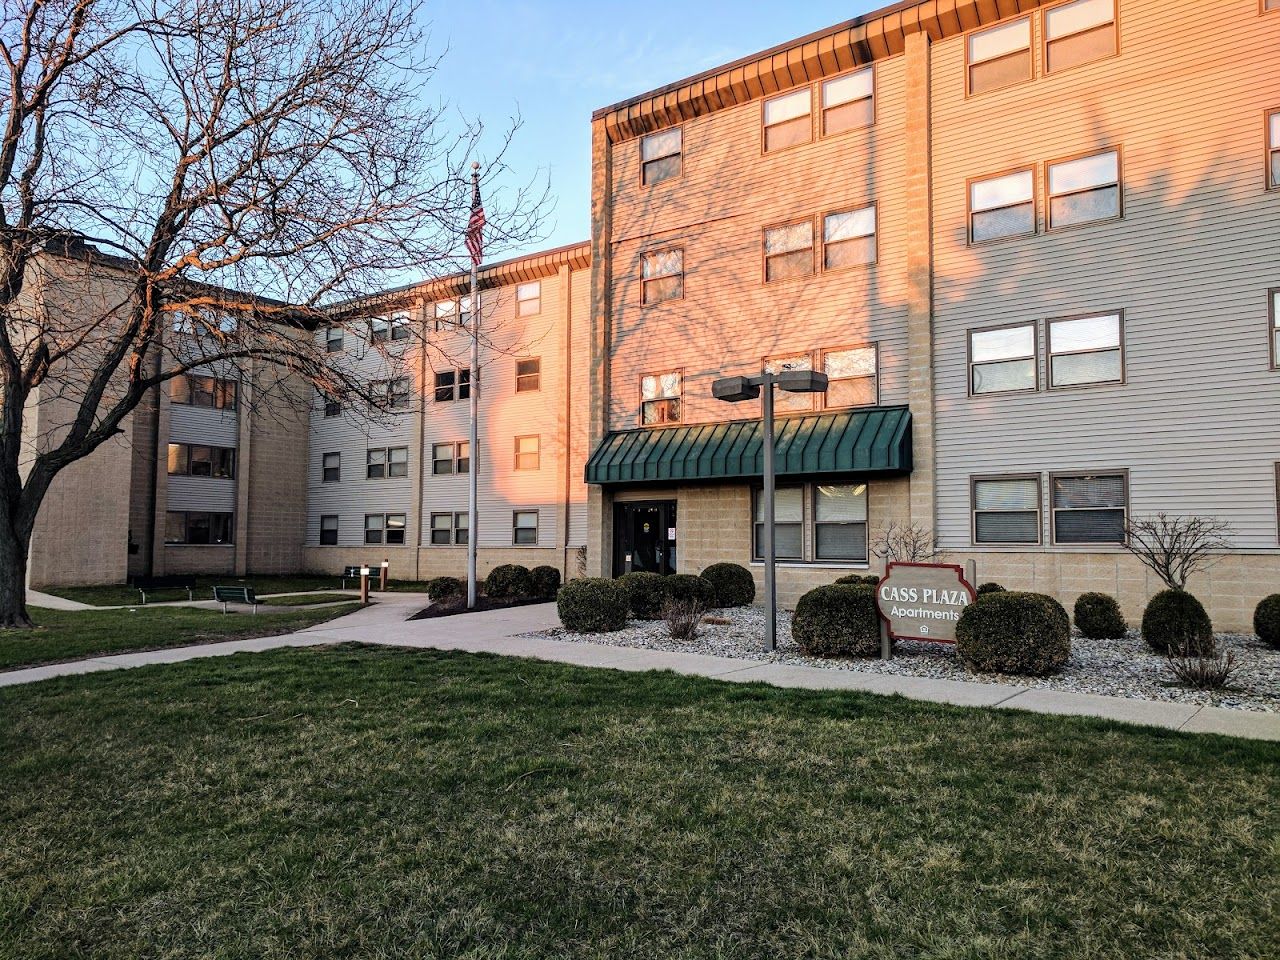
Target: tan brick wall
(273, 478)
(185, 559)
(436, 561)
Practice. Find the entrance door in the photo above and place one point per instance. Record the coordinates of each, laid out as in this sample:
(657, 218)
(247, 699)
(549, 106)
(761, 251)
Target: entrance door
(644, 537)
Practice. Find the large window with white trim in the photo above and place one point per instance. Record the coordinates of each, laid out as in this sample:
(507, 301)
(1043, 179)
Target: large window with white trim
(1084, 190)
(999, 56)
(1089, 508)
(1003, 359)
(1085, 350)
(1002, 206)
(1078, 32)
(1006, 510)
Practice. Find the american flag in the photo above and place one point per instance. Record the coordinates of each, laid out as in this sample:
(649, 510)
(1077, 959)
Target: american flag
(475, 226)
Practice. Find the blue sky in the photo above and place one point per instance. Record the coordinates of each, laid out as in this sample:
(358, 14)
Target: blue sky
(554, 62)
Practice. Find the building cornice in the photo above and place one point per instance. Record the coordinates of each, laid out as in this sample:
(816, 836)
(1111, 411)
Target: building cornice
(873, 36)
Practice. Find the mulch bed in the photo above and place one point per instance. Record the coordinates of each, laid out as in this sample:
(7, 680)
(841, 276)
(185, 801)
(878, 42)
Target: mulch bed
(452, 606)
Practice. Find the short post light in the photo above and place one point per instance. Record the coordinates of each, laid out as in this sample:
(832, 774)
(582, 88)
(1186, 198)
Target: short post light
(382, 584)
(364, 584)
(736, 390)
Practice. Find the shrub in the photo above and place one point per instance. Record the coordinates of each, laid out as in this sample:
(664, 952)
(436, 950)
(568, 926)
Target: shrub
(592, 605)
(1098, 617)
(1204, 673)
(442, 588)
(1014, 632)
(546, 581)
(687, 586)
(1175, 623)
(733, 584)
(990, 587)
(859, 580)
(683, 618)
(1266, 621)
(838, 620)
(509, 580)
(644, 594)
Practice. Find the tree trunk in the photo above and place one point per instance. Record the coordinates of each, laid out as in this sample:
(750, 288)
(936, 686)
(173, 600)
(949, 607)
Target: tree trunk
(13, 576)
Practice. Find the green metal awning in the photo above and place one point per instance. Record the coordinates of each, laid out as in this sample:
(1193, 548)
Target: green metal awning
(870, 441)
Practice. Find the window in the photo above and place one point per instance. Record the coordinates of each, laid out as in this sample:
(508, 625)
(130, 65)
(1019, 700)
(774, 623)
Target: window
(783, 400)
(398, 393)
(848, 102)
(464, 310)
(400, 326)
(200, 391)
(198, 528)
(453, 384)
(1000, 56)
(464, 456)
(441, 529)
(788, 251)
(329, 530)
(374, 526)
(849, 239)
(1006, 510)
(446, 315)
(528, 375)
(529, 299)
(528, 452)
(333, 340)
(1084, 190)
(201, 461)
(376, 464)
(1003, 359)
(331, 468)
(450, 458)
(852, 375)
(384, 462)
(1273, 145)
(378, 328)
(661, 276)
(1275, 329)
(524, 527)
(1089, 508)
(786, 120)
(1085, 350)
(660, 156)
(385, 528)
(395, 529)
(788, 524)
(1078, 32)
(1002, 207)
(660, 395)
(840, 522)
(332, 407)
(461, 524)
(1268, 5)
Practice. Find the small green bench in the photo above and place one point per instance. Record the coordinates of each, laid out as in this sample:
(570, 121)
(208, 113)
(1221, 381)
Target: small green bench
(245, 595)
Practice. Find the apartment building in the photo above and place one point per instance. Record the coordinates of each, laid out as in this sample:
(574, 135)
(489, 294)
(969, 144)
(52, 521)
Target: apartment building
(1036, 248)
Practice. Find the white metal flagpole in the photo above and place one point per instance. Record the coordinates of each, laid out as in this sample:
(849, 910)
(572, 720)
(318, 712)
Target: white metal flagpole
(473, 386)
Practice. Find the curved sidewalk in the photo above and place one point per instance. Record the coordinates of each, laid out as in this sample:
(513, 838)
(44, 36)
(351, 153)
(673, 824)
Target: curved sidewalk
(499, 632)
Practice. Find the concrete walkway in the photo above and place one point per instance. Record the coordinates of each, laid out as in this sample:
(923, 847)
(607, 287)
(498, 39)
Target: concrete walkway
(498, 632)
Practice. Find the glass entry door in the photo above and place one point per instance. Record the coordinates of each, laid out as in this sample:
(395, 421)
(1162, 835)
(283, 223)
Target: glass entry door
(644, 537)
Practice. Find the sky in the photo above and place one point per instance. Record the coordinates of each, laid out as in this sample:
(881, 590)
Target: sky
(553, 63)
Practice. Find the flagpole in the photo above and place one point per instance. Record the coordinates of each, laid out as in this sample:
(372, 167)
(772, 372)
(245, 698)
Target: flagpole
(473, 473)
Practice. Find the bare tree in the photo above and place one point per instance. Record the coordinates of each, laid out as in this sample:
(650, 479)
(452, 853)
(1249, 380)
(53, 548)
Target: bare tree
(904, 543)
(1176, 548)
(159, 155)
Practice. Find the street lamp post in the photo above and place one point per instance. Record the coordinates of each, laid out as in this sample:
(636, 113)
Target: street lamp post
(736, 390)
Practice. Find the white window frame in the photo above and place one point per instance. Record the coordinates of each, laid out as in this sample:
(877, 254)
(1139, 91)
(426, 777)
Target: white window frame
(333, 530)
(529, 381)
(856, 232)
(523, 455)
(1052, 12)
(336, 467)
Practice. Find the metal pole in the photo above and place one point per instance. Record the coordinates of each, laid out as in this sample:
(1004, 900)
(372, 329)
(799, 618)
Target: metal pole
(770, 548)
(473, 448)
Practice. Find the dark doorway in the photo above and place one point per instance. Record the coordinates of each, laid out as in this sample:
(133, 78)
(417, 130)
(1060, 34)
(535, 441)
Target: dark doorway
(644, 537)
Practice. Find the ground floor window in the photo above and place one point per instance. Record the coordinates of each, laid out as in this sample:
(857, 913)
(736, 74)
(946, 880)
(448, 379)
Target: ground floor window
(329, 530)
(198, 527)
(1006, 510)
(524, 527)
(814, 522)
(448, 528)
(1089, 508)
(384, 528)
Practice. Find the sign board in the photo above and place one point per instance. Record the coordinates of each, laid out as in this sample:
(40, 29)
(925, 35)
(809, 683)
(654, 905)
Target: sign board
(923, 601)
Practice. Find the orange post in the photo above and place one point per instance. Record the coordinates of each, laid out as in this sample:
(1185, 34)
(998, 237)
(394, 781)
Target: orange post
(364, 584)
(382, 585)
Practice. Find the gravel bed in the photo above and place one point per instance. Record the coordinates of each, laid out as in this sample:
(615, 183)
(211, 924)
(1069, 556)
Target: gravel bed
(1113, 668)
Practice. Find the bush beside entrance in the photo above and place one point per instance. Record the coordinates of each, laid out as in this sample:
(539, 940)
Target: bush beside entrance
(838, 620)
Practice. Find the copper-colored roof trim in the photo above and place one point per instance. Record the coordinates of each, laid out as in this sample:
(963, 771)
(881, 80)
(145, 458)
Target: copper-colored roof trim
(873, 36)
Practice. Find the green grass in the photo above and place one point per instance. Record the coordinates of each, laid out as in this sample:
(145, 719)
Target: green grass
(114, 595)
(310, 803)
(72, 635)
(306, 599)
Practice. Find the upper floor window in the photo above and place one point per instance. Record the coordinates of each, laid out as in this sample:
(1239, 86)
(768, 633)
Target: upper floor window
(332, 405)
(1003, 359)
(464, 310)
(848, 102)
(200, 391)
(1275, 329)
(849, 239)
(450, 458)
(1078, 32)
(1085, 350)
(1084, 190)
(529, 375)
(378, 329)
(661, 276)
(852, 376)
(1270, 5)
(1089, 508)
(1002, 207)
(529, 299)
(446, 315)
(528, 452)
(787, 121)
(788, 251)
(784, 401)
(191, 460)
(382, 462)
(333, 340)
(1000, 56)
(395, 392)
(660, 156)
(1005, 509)
(453, 385)
(331, 467)
(329, 530)
(1273, 146)
(660, 398)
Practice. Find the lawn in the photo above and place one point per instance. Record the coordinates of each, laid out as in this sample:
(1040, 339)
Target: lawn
(306, 599)
(67, 635)
(359, 802)
(119, 594)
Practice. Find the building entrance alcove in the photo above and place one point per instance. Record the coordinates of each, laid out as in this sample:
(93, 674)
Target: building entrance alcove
(644, 537)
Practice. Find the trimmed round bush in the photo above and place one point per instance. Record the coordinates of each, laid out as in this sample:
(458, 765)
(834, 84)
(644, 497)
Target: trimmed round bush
(1266, 621)
(688, 586)
(990, 587)
(733, 583)
(442, 588)
(859, 580)
(644, 594)
(1098, 617)
(592, 605)
(508, 580)
(1175, 623)
(1014, 632)
(838, 620)
(546, 581)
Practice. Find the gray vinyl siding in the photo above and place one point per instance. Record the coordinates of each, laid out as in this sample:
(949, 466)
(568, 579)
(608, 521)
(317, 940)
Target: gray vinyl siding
(203, 425)
(580, 390)
(214, 494)
(1197, 422)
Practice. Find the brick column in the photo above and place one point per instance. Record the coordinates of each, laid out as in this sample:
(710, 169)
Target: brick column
(599, 503)
(245, 400)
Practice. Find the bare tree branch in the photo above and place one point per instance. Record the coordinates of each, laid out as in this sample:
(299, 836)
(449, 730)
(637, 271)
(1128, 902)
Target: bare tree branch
(1176, 548)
